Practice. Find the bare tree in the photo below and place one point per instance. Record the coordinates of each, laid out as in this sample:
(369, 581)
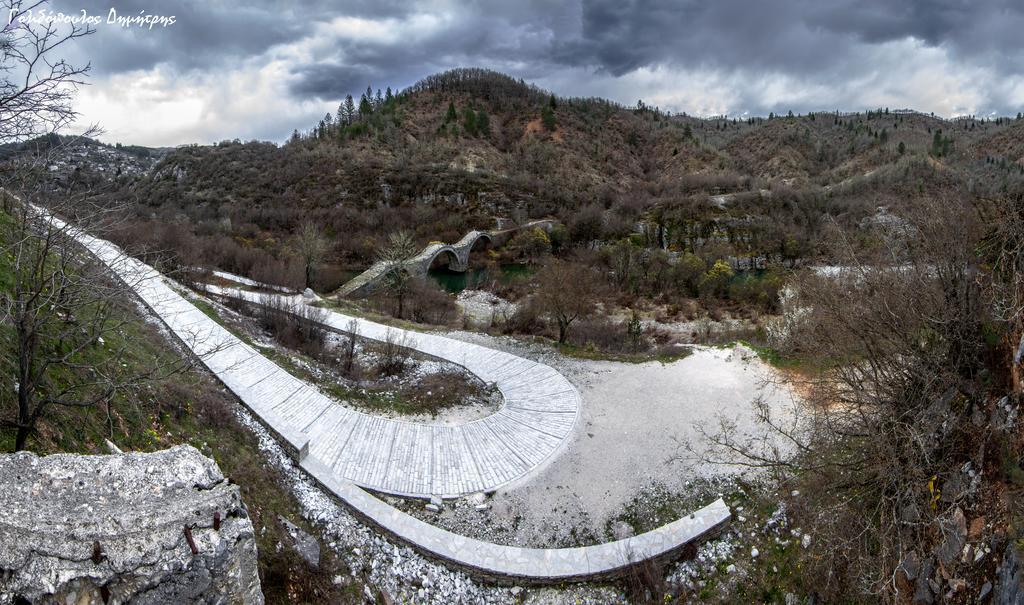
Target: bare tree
(567, 292)
(395, 353)
(36, 90)
(900, 375)
(397, 279)
(1004, 249)
(311, 246)
(62, 309)
(352, 333)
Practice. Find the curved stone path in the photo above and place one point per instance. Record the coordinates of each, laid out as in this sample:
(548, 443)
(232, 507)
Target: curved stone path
(410, 459)
(538, 413)
(329, 440)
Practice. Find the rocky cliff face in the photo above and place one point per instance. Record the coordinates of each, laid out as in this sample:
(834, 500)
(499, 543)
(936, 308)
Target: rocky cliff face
(164, 527)
(1010, 582)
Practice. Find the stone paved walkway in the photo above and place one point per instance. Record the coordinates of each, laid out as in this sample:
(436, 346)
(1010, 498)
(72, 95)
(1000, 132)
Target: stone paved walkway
(539, 411)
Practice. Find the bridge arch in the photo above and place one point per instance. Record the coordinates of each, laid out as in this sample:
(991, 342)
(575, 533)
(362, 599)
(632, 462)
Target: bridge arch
(480, 237)
(367, 281)
(454, 263)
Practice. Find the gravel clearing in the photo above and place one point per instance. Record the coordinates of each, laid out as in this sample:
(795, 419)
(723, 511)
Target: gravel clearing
(634, 421)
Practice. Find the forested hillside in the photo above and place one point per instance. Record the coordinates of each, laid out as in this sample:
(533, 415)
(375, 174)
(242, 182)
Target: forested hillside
(460, 148)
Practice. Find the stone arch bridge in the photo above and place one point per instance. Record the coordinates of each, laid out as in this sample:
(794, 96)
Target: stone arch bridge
(457, 255)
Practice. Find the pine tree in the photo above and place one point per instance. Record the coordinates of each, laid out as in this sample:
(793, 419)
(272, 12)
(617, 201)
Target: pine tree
(451, 116)
(365, 107)
(552, 102)
(350, 110)
(378, 101)
(388, 96)
(469, 121)
(483, 123)
(547, 117)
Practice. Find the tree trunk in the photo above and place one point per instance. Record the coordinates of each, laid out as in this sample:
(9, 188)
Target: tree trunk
(25, 420)
(309, 275)
(563, 332)
(21, 438)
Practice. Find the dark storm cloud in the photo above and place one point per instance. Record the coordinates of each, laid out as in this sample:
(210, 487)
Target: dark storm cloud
(621, 36)
(828, 42)
(204, 35)
(792, 36)
(509, 37)
(207, 34)
(330, 81)
(610, 36)
(967, 27)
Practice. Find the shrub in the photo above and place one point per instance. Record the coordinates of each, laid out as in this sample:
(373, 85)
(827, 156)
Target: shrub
(688, 271)
(530, 245)
(428, 303)
(294, 325)
(762, 290)
(394, 353)
(715, 282)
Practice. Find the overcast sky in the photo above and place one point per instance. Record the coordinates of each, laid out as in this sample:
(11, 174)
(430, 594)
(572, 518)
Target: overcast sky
(225, 71)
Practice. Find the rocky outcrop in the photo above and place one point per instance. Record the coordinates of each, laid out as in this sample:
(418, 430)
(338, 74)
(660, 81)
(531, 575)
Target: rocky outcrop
(1010, 581)
(164, 527)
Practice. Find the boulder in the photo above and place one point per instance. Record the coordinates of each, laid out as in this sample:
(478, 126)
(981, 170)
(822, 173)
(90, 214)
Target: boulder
(924, 591)
(954, 533)
(984, 593)
(976, 528)
(163, 527)
(907, 572)
(622, 530)
(1009, 586)
(303, 543)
